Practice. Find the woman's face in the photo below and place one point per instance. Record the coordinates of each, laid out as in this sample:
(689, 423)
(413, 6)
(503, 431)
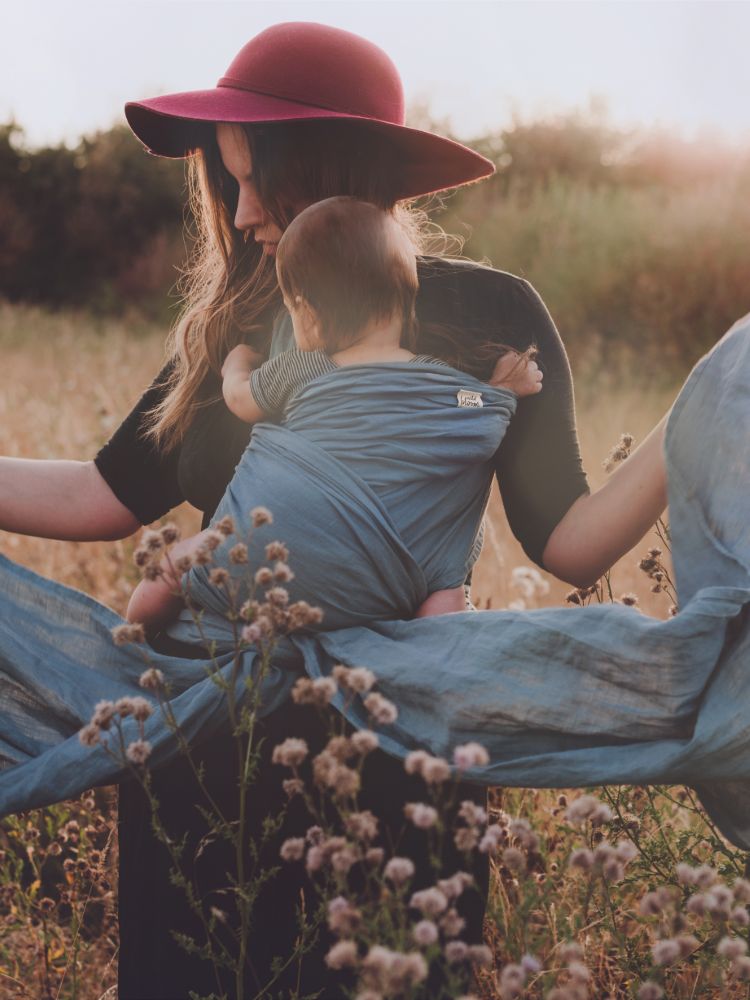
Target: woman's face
(250, 217)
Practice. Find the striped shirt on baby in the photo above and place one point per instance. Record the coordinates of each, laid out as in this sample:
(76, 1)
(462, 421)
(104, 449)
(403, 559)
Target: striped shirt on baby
(278, 381)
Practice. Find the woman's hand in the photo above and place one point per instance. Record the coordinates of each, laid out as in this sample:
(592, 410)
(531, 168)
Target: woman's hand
(601, 527)
(518, 373)
(156, 603)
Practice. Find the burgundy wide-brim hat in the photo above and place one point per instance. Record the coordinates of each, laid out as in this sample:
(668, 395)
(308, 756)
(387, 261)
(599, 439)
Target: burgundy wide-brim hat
(299, 71)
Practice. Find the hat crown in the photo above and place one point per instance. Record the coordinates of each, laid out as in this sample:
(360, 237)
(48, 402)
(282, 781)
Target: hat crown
(322, 66)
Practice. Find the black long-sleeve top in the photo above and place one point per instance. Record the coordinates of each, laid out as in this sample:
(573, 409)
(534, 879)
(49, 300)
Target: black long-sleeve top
(538, 468)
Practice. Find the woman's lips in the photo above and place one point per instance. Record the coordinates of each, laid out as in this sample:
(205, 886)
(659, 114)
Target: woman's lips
(269, 248)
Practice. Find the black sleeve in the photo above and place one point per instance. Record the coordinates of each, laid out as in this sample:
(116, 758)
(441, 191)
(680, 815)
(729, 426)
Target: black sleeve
(141, 478)
(538, 466)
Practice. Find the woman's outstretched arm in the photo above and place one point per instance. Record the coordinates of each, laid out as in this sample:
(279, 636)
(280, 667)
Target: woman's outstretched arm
(61, 499)
(601, 527)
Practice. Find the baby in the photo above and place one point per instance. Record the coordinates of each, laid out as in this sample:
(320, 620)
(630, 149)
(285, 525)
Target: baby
(347, 272)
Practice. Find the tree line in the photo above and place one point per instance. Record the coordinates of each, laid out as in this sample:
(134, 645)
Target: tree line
(626, 233)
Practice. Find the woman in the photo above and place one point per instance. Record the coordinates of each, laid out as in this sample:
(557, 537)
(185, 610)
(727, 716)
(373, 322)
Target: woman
(343, 101)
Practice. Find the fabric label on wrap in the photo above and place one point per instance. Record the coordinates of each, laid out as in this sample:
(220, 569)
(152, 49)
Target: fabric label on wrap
(471, 399)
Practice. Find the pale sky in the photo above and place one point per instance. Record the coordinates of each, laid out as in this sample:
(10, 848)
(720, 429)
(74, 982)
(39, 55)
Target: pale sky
(68, 66)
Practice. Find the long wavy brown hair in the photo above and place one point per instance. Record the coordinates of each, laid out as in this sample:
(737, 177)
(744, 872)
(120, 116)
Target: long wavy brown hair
(228, 287)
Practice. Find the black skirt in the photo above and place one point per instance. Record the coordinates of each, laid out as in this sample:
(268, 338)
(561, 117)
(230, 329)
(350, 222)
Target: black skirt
(153, 966)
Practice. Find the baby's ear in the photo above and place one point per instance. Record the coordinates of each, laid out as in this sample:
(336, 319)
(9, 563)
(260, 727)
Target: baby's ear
(308, 317)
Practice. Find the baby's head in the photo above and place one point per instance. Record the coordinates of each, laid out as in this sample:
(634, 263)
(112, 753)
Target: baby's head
(342, 265)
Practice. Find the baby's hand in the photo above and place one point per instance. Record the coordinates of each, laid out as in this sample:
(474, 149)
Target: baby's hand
(241, 360)
(519, 374)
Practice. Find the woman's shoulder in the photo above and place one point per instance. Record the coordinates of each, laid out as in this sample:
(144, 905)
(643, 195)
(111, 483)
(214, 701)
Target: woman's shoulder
(460, 291)
(458, 269)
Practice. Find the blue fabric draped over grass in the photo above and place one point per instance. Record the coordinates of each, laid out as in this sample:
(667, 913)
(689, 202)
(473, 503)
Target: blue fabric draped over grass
(377, 483)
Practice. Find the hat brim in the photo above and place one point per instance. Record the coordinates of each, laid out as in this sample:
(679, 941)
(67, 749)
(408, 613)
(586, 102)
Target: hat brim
(177, 124)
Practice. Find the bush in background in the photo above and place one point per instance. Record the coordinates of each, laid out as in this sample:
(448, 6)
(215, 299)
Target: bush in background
(638, 241)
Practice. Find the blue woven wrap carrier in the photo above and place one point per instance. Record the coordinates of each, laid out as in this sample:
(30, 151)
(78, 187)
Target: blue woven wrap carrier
(377, 483)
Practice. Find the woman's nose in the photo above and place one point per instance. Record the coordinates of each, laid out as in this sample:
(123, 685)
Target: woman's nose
(249, 211)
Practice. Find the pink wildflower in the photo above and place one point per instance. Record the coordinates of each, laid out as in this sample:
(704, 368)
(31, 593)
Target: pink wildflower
(290, 753)
(425, 933)
(264, 577)
(481, 954)
(362, 825)
(512, 979)
(431, 901)
(456, 951)
(453, 887)
(124, 706)
(626, 850)
(665, 951)
(514, 859)
(466, 839)
(292, 849)
(293, 786)
(358, 679)
(651, 905)
(492, 837)
(104, 712)
(571, 951)
(421, 815)
(731, 947)
(260, 516)
(696, 904)
(452, 923)
(277, 552)
(705, 876)
(650, 991)
(531, 964)
(436, 770)
(278, 596)
(579, 973)
(685, 874)
(364, 741)
(399, 870)
(170, 533)
(343, 918)
(89, 735)
(473, 814)
(152, 679)
(343, 859)
(252, 633)
(342, 954)
(414, 761)
(238, 554)
(741, 968)
(141, 708)
(138, 751)
(586, 807)
(383, 711)
(282, 573)
(581, 858)
(470, 755)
